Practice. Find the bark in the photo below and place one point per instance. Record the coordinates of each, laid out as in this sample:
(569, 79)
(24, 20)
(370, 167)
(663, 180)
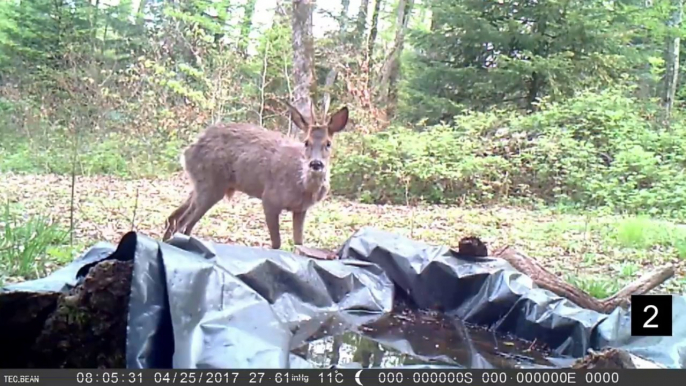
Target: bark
(672, 62)
(344, 16)
(534, 89)
(246, 25)
(390, 73)
(361, 22)
(303, 58)
(373, 31)
(646, 84)
(545, 279)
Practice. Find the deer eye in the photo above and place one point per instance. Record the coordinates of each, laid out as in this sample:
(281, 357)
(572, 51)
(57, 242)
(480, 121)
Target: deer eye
(307, 143)
(328, 144)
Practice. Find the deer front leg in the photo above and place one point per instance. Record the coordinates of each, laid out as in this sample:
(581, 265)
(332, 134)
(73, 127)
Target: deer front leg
(271, 215)
(298, 226)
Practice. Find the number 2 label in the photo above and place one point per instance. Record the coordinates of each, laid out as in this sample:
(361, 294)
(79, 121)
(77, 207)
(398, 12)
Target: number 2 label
(647, 323)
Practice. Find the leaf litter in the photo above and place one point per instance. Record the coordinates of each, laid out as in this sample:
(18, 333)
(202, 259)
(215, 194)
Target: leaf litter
(104, 208)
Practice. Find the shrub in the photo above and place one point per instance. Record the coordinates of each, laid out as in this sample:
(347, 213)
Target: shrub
(594, 150)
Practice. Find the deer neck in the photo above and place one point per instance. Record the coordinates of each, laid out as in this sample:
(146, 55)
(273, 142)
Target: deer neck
(314, 183)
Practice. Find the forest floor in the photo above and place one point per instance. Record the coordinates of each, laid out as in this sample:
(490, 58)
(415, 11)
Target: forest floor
(597, 253)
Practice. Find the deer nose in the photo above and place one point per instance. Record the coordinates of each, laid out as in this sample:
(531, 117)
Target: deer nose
(316, 165)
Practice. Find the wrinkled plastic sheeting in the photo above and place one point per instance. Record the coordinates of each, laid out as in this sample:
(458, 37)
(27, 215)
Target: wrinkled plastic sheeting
(490, 292)
(204, 305)
(240, 307)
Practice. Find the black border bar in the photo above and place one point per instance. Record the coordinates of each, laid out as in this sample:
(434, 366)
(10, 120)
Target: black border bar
(343, 377)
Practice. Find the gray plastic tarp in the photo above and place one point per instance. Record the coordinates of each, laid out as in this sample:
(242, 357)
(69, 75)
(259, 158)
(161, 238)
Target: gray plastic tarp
(198, 304)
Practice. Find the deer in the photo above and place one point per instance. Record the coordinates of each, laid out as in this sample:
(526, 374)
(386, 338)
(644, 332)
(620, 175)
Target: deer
(286, 174)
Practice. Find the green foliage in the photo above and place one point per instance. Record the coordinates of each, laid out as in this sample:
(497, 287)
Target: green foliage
(114, 154)
(599, 288)
(599, 149)
(26, 243)
(645, 233)
(480, 54)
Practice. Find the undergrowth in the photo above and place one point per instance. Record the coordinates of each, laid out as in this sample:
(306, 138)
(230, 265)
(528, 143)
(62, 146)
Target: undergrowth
(29, 245)
(597, 150)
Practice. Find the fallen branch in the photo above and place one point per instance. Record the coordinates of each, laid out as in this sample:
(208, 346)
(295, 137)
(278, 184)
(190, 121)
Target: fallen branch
(545, 279)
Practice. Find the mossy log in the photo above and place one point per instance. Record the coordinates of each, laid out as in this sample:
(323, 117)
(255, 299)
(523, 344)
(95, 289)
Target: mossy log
(85, 328)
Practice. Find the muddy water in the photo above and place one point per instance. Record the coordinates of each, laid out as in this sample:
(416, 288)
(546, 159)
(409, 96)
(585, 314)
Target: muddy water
(418, 338)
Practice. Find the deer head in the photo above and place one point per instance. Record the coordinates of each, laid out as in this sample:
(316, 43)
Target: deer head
(318, 140)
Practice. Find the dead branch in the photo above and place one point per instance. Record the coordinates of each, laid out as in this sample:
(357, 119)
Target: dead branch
(545, 279)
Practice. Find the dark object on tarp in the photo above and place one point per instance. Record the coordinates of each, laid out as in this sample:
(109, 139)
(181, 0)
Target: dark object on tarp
(206, 305)
(492, 293)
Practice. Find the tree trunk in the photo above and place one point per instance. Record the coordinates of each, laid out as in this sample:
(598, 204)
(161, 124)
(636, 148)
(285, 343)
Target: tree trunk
(246, 24)
(303, 58)
(672, 61)
(371, 39)
(361, 22)
(534, 89)
(373, 31)
(390, 73)
(344, 16)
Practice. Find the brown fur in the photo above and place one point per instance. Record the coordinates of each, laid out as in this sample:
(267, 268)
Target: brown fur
(261, 163)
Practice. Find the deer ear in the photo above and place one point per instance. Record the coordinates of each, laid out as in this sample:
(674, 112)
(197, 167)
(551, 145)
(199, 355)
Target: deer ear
(338, 120)
(297, 118)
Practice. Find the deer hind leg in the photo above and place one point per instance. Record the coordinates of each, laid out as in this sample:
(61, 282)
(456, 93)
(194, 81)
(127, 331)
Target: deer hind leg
(171, 224)
(203, 201)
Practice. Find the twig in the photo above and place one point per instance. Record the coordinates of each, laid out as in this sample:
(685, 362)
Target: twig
(407, 202)
(73, 187)
(135, 208)
(264, 78)
(290, 91)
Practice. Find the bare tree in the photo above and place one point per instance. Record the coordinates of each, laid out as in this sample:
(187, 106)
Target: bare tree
(303, 57)
(361, 22)
(373, 31)
(391, 68)
(672, 61)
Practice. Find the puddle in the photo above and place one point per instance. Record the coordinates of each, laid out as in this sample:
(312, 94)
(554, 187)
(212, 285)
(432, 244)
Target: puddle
(418, 338)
